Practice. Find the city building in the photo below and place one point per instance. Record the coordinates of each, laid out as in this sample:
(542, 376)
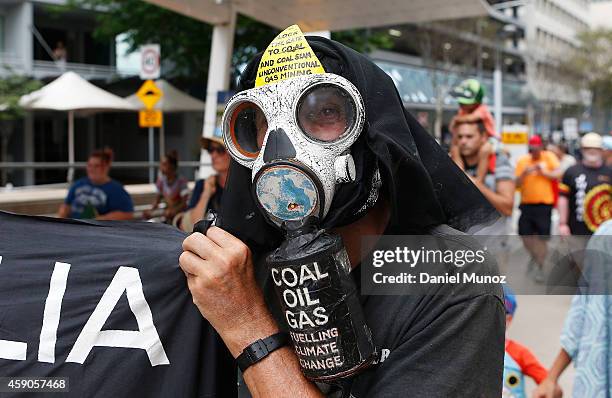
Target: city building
(428, 59)
(550, 28)
(521, 41)
(40, 41)
(601, 14)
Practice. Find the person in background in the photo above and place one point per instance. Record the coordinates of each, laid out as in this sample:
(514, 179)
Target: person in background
(586, 190)
(518, 359)
(171, 188)
(565, 159)
(207, 193)
(59, 52)
(498, 186)
(97, 195)
(470, 94)
(586, 339)
(535, 173)
(607, 143)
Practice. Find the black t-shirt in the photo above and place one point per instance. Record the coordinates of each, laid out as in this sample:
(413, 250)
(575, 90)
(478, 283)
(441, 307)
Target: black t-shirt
(589, 191)
(450, 344)
(215, 201)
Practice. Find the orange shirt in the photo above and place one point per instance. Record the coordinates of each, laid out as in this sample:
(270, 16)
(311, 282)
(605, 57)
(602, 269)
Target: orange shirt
(537, 189)
(529, 364)
(487, 119)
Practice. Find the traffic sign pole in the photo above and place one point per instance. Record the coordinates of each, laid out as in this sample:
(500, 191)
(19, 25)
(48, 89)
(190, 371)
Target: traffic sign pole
(149, 94)
(151, 156)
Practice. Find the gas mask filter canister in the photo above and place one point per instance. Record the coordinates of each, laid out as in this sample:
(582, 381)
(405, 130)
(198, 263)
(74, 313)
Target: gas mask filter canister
(294, 131)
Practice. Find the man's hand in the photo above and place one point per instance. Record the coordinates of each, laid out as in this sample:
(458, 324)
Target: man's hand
(220, 276)
(210, 186)
(539, 168)
(564, 230)
(548, 389)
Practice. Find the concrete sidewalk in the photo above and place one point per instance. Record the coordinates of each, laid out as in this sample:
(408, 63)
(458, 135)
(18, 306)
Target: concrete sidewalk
(41, 200)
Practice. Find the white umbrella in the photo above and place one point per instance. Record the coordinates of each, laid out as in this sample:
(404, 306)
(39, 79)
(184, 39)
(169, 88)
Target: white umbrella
(173, 100)
(70, 92)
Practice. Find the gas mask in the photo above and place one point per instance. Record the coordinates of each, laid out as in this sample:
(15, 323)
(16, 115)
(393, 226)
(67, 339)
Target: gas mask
(295, 136)
(294, 130)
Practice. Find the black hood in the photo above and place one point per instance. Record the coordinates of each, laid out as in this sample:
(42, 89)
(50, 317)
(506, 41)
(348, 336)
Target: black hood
(419, 180)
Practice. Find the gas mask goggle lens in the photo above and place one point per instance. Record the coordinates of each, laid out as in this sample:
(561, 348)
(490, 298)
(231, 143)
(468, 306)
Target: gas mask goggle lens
(296, 136)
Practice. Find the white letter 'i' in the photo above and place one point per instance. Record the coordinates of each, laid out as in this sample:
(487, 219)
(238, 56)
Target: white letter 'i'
(51, 317)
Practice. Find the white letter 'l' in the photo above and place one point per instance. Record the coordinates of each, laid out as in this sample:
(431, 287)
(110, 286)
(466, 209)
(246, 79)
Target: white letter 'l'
(13, 350)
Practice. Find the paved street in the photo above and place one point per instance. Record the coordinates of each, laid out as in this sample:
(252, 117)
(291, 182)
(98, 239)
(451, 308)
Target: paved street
(537, 324)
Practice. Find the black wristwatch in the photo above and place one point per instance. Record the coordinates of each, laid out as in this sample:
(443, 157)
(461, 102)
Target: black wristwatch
(261, 349)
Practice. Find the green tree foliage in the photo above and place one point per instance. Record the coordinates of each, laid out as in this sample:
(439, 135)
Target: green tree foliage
(185, 42)
(364, 40)
(12, 88)
(592, 64)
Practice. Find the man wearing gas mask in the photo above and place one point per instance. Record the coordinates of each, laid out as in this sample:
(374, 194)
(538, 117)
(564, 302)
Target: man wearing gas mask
(324, 154)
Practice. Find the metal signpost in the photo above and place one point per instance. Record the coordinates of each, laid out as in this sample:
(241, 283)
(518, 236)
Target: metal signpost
(150, 94)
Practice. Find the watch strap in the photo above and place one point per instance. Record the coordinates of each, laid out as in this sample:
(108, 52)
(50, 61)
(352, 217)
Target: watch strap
(260, 349)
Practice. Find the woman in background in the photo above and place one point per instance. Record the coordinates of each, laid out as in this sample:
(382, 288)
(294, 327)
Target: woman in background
(97, 195)
(171, 188)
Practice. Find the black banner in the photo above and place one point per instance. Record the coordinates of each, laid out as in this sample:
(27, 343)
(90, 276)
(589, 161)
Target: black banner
(105, 306)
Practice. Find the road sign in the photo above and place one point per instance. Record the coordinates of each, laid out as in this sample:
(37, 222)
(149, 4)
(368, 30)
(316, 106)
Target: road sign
(150, 118)
(514, 139)
(149, 94)
(150, 59)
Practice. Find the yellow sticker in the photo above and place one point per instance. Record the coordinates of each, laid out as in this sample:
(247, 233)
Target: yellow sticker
(289, 55)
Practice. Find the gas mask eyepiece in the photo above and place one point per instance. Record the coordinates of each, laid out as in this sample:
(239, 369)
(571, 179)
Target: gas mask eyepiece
(295, 136)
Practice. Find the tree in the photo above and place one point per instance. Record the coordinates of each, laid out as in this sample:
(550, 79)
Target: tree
(592, 67)
(185, 42)
(12, 88)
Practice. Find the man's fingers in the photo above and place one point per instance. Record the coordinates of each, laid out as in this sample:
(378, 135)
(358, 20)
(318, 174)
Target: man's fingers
(200, 244)
(191, 263)
(195, 266)
(222, 237)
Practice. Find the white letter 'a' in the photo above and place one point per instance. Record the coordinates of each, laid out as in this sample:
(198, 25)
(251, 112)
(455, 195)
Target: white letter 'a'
(127, 279)
(14, 350)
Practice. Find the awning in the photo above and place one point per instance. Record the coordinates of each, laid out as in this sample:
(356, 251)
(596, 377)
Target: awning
(329, 14)
(416, 86)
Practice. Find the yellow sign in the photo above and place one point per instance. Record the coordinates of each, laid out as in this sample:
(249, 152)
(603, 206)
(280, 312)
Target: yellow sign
(150, 118)
(514, 137)
(289, 55)
(149, 94)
